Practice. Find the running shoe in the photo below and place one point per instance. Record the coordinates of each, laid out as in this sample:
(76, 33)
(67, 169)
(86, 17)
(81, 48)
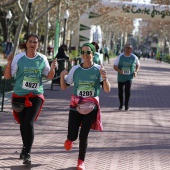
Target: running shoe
(27, 159)
(80, 165)
(126, 107)
(68, 144)
(22, 154)
(121, 107)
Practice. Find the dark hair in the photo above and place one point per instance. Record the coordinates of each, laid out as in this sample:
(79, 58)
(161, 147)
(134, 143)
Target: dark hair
(61, 52)
(32, 35)
(128, 45)
(64, 46)
(96, 45)
(23, 45)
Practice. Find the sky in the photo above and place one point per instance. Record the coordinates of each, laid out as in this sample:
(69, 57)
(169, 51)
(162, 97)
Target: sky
(142, 1)
(136, 21)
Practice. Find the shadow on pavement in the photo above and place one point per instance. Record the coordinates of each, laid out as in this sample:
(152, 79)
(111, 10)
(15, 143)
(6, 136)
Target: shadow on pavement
(21, 167)
(71, 168)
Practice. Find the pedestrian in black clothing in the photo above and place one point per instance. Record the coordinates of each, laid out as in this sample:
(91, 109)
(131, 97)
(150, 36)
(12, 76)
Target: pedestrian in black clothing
(61, 59)
(62, 52)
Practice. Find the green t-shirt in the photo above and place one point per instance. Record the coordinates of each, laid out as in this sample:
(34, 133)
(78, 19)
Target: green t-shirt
(96, 58)
(28, 73)
(127, 64)
(86, 81)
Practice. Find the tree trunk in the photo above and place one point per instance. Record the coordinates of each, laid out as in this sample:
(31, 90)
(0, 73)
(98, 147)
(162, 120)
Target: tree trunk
(19, 28)
(46, 31)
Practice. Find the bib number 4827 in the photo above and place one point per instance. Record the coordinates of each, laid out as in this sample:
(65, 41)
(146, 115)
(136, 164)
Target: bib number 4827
(31, 85)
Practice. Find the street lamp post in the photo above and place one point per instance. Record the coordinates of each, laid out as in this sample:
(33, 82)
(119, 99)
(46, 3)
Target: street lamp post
(61, 30)
(46, 48)
(61, 35)
(66, 16)
(8, 17)
(71, 34)
(29, 14)
(49, 25)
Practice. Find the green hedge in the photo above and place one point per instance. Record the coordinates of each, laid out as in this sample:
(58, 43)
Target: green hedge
(9, 84)
(167, 58)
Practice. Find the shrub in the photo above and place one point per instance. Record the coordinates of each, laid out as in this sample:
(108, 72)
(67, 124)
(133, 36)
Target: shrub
(73, 54)
(157, 55)
(167, 58)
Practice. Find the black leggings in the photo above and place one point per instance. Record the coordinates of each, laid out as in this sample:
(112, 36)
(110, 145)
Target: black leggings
(75, 119)
(106, 55)
(127, 86)
(27, 117)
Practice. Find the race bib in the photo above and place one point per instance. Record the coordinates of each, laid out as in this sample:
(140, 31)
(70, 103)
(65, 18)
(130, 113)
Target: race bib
(126, 71)
(85, 93)
(30, 83)
(85, 90)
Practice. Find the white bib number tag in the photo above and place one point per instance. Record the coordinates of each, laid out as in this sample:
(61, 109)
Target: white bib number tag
(85, 93)
(30, 83)
(126, 71)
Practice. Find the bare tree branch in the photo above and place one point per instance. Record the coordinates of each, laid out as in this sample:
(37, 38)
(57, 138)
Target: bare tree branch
(5, 3)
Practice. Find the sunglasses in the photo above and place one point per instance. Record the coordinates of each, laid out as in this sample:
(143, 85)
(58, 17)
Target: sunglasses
(86, 52)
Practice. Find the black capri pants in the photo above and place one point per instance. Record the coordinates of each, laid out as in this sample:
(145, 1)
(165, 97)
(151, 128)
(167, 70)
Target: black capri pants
(27, 118)
(75, 120)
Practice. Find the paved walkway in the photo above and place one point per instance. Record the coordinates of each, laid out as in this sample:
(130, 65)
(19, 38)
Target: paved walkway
(135, 140)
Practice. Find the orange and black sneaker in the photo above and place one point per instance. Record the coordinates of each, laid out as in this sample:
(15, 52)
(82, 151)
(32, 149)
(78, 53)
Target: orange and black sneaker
(68, 144)
(80, 165)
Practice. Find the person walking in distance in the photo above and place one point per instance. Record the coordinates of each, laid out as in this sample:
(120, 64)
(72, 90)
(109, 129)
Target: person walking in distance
(127, 65)
(106, 54)
(8, 48)
(84, 105)
(27, 99)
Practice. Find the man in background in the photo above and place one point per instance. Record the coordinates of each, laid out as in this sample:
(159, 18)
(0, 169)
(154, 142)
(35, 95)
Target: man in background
(8, 48)
(127, 66)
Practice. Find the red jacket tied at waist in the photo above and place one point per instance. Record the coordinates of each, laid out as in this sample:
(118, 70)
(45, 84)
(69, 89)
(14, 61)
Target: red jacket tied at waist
(27, 103)
(97, 124)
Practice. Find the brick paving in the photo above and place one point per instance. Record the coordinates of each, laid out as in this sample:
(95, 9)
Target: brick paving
(135, 140)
